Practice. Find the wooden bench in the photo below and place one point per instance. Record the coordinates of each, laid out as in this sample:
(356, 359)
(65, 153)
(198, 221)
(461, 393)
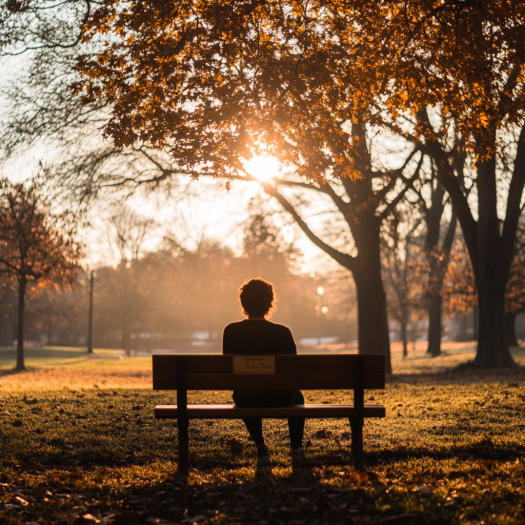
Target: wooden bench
(303, 372)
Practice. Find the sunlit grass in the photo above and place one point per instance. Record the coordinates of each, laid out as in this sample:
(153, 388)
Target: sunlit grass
(70, 367)
(446, 453)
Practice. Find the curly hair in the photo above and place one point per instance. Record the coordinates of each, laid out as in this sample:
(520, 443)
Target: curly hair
(257, 297)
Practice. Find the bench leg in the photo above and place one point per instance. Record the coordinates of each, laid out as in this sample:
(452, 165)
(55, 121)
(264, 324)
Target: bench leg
(357, 442)
(184, 461)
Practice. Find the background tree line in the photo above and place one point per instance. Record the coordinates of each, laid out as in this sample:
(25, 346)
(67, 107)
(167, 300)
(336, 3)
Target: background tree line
(377, 107)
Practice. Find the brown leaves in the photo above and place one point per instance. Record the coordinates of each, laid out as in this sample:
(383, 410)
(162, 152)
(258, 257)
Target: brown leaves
(359, 477)
(87, 518)
(21, 500)
(35, 243)
(191, 78)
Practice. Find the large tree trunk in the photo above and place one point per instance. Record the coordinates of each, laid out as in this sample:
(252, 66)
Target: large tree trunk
(438, 268)
(491, 275)
(490, 247)
(510, 329)
(493, 350)
(372, 322)
(372, 317)
(434, 326)
(20, 365)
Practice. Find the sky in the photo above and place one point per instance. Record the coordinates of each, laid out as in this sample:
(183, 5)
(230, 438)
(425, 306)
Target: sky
(203, 208)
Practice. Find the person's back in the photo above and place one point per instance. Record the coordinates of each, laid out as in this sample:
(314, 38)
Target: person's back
(258, 336)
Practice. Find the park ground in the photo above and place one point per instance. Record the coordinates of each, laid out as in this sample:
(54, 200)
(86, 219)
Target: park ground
(79, 445)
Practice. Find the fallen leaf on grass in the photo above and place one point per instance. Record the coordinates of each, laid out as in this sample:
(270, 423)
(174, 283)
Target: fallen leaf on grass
(422, 491)
(21, 500)
(10, 506)
(235, 445)
(87, 518)
(359, 477)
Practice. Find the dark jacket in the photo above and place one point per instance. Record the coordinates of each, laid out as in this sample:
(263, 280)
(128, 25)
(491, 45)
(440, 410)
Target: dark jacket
(262, 337)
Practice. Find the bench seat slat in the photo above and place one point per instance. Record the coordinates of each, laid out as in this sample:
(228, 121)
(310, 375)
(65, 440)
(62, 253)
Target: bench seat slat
(235, 412)
(303, 381)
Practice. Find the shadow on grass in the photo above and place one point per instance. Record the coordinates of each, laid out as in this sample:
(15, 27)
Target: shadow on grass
(459, 375)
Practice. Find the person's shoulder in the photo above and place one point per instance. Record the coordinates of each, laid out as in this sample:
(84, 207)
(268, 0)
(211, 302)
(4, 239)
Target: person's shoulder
(279, 327)
(233, 326)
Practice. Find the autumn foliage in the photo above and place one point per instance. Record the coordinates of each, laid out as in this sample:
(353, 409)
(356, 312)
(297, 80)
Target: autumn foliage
(37, 247)
(216, 82)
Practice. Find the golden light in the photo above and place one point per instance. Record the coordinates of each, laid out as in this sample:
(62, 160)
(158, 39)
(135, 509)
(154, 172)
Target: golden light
(263, 168)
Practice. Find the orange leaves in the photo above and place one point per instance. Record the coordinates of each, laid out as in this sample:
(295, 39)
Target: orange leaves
(265, 67)
(359, 477)
(34, 242)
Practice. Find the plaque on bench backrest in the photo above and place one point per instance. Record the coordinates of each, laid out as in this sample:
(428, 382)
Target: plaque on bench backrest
(254, 364)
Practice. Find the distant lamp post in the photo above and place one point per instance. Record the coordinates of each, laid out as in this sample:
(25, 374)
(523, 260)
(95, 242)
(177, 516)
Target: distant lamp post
(90, 320)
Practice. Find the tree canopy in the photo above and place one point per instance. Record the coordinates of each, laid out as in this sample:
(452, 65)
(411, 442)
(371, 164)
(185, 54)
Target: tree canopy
(215, 82)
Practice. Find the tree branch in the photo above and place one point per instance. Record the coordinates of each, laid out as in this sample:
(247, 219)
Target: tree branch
(342, 258)
(408, 184)
(394, 176)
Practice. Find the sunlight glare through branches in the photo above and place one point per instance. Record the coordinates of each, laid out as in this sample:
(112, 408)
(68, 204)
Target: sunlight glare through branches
(263, 168)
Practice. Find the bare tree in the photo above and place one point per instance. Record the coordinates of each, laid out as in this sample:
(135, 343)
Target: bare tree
(129, 233)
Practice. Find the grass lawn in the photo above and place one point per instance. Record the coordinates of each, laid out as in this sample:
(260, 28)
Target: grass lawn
(450, 451)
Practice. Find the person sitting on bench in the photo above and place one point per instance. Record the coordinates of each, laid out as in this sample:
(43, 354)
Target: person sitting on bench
(259, 336)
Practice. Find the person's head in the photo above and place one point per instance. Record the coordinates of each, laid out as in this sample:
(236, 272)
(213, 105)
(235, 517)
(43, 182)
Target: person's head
(257, 297)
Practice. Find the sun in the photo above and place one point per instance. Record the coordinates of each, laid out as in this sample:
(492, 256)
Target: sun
(263, 168)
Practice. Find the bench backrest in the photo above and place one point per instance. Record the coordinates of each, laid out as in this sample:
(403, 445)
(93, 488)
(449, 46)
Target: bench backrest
(308, 372)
